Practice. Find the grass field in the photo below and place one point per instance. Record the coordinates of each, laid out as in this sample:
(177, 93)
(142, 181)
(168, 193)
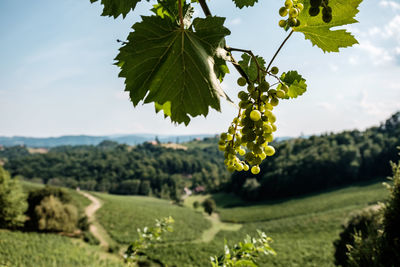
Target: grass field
(18, 249)
(303, 229)
(122, 215)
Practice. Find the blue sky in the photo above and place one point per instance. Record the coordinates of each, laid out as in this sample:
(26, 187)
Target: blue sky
(57, 75)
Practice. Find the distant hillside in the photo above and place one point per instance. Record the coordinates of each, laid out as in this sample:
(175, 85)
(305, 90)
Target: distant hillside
(307, 165)
(76, 140)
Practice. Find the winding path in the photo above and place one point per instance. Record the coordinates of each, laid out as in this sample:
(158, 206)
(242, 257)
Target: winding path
(95, 228)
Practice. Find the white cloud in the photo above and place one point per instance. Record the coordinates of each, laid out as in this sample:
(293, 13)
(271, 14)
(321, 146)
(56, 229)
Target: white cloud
(390, 4)
(378, 55)
(235, 21)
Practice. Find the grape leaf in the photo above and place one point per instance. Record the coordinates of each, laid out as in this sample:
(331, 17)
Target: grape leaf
(114, 8)
(244, 3)
(320, 33)
(249, 66)
(163, 63)
(296, 83)
(170, 9)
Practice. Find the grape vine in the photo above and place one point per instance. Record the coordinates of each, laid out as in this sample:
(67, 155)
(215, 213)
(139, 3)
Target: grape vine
(177, 62)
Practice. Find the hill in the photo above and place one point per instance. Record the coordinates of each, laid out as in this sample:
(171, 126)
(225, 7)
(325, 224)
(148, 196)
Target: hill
(78, 140)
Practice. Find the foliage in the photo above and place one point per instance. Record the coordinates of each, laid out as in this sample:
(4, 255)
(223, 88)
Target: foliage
(196, 204)
(122, 215)
(379, 243)
(12, 201)
(147, 237)
(145, 169)
(54, 216)
(359, 224)
(30, 249)
(311, 164)
(245, 253)
(209, 206)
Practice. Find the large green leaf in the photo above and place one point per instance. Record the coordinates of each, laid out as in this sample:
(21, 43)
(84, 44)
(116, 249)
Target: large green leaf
(114, 8)
(244, 3)
(296, 83)
(320, 33)
(163, 63)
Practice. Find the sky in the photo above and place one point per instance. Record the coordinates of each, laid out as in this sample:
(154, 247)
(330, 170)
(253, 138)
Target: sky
(57, 75)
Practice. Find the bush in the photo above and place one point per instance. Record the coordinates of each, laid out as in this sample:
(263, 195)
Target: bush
(83, 223)
(12, 201)
(196, 204)
(36, 196)
(362, 224)
(209, 206)
(54, 216)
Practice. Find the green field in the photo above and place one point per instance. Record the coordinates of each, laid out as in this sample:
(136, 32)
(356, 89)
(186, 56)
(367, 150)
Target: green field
(18, 249)
(122, 215)
(303, 229)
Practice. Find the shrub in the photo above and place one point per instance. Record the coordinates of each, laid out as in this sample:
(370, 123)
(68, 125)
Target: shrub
(54, 216)
(209, 206)
(12, 201)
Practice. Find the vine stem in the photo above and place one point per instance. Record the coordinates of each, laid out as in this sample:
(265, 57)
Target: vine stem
(180, 13)
(230, 49)
(279, 49)
(207, 13)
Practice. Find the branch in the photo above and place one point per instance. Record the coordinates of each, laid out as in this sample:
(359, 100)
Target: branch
(230, 49)
(279, 49)
(205, 8)
(180, 13)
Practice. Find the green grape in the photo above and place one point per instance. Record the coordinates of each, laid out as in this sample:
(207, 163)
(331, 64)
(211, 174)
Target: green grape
(243, 95)
(269, 137)
(221, 142)
(250, 88)
(257, 150)
(267, 128)
(229, 137)
(314, 11)
(274, 70)
(255, 115)
(242, 152)
(274, 101)
(273, 127)
(293, 12)
(263, 155)
(285, 88)
(292, 22)
(298, 23)
(268, 106)
(221, 148)
(231, 168)
(282, 23)
(300, 6)
(255, 170)
(280, 93)
(315, 3)
(245, 167)
(269, 150)
(288, 3)
(224, 136)
(250, 145)
(231, 130)
(241, 81)
(272, 92)
(264, 98)
(239, 167)
(283, 11)
(264, 86)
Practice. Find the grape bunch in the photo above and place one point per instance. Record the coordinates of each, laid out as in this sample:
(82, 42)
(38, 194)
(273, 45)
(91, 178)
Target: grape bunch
(252, 130)
(326, 9)
(293, 9)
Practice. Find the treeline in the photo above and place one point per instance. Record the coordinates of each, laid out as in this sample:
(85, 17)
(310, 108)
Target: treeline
(306, 165)
(145, 169)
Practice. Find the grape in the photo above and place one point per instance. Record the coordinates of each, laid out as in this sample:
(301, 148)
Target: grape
(255, 170)
(264, 86)
(255, 115)
(224, 136)
(283, 11)
(269, 150)
(300, 6)
(288, 3)
(314, 11)
(282, 23)
(293, 12)
(298, 23)
(327, 17)
(241, 81)
(243, 95)
(245, 167)
(285, 88)
(274, 70)
(315, 3)
(280, 93)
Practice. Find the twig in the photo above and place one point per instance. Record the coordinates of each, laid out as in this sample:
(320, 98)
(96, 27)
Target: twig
(279, 49)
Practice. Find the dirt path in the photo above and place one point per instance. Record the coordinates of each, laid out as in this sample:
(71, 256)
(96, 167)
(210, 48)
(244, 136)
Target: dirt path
(95, 228)
(216, 226)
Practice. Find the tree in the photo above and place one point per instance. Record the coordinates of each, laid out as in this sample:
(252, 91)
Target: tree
(209, 206)
(54, 216)
(12, 201)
